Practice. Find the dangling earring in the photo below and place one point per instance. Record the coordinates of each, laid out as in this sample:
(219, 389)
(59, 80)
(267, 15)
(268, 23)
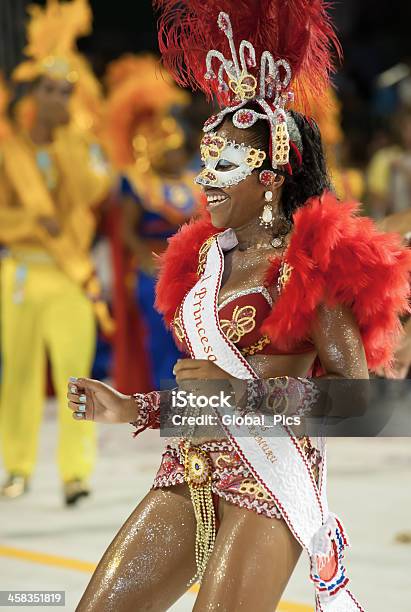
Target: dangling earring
(266, 217)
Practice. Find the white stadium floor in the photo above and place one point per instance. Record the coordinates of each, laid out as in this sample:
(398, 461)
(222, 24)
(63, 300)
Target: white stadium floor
(44, 546)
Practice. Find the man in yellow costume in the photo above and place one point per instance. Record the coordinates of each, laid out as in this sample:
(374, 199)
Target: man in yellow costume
(52, 174)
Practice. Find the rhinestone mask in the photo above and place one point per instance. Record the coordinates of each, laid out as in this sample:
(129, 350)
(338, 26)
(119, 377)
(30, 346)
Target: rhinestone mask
(219, 154)
(270, 92)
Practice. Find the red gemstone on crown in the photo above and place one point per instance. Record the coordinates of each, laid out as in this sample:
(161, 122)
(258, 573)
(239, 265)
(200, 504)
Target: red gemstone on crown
(245, 117)
(222, 22)
(210, 120)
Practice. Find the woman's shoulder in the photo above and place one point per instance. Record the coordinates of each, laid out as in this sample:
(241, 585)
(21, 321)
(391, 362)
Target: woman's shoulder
(334, 257)
(178, 265)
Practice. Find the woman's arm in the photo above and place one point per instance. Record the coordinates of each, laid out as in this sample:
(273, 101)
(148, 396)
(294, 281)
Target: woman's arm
(337, 339)
(95, 401)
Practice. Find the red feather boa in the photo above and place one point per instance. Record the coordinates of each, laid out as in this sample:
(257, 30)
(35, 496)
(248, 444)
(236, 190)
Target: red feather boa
(337, 258)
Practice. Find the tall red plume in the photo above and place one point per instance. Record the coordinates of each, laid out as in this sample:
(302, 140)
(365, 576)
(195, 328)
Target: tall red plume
(299, 31)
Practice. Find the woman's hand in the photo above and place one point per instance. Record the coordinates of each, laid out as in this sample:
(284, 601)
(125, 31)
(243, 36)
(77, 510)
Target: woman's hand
(192, 376)
(93, 400)
(198, 369)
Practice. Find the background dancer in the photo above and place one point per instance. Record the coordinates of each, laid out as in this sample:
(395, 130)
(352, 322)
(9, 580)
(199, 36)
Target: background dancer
(52, 175)
(158, 194)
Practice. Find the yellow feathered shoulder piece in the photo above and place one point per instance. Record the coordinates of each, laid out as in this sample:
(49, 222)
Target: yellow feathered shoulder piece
(52, 32)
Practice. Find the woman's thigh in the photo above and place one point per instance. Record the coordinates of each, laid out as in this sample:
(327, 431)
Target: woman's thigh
(252, 561)
(150, 561)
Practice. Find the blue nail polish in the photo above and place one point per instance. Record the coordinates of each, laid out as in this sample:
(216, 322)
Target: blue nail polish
(82, 408)
(83, 399)
(73, 379)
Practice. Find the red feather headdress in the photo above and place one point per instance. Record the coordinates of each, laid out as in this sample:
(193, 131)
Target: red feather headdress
(264, 49)
(297, 31)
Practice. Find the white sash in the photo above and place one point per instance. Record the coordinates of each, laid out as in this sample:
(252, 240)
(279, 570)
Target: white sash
(277, 462)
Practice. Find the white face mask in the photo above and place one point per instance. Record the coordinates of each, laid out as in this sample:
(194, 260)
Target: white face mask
(226, 161)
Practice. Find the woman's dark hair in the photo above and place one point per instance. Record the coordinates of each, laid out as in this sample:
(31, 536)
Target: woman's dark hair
(309, 178)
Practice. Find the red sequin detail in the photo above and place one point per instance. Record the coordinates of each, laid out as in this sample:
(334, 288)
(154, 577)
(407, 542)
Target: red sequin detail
(266, 178)
(245, 117)
(210, 120)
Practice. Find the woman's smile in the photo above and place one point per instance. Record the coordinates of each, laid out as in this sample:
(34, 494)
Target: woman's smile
(215, 198)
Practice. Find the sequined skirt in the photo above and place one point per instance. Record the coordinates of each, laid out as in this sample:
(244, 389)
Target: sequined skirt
(231, 478)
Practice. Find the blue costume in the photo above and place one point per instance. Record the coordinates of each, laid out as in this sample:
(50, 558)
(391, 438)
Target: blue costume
(154, 226)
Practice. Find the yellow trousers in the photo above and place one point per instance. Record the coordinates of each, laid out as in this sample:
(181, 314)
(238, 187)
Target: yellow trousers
(43, 313)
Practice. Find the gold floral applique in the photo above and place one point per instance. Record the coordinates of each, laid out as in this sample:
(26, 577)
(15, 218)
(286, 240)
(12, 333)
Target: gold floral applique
(257, 347)
(251, 487)
(212, 146)
(244, 87)
(284, 275)
(242, 322)
(178, 326)
(202, 255)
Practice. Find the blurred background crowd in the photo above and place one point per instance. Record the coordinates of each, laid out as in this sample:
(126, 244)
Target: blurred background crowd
(98, 153)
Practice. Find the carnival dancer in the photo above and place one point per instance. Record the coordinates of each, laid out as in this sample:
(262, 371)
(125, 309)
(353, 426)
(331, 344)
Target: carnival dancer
(52, 175)
(158, 193)
(278, 281)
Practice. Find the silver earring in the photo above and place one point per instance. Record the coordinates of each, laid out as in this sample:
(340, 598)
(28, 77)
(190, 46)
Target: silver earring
(266, 217)
(268, 196)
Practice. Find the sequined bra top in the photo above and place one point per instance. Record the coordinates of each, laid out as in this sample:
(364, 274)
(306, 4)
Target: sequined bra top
(241, 317)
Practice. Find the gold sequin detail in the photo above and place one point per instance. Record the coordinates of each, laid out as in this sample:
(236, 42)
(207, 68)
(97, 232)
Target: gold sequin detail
(254, 488)
(202, 255)
(178, 327)
(225, 459)
(282, 144)
(255, 158)
(256, 347)
(212, 146)
(242, 322)
(244, 87)
(198, 476)
(277, 397)
(284, 275)
(307, 448)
